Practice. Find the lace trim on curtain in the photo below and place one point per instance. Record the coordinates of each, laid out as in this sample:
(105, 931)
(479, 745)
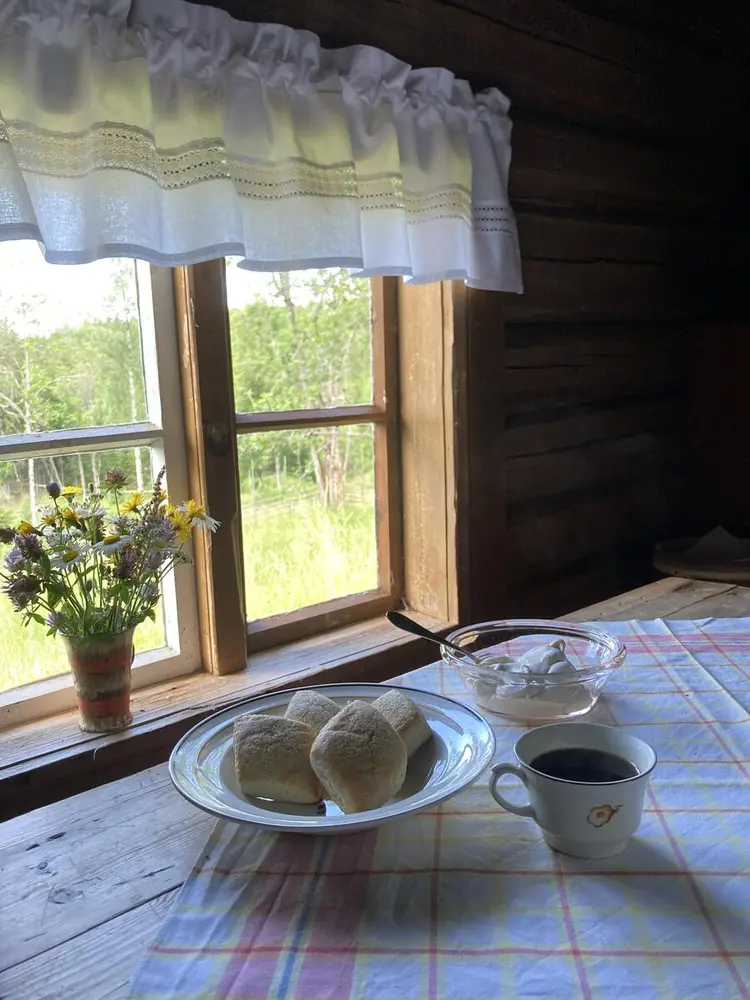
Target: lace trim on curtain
(107, 146)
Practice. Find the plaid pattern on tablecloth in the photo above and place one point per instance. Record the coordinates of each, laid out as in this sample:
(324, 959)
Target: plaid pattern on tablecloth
(466, 902)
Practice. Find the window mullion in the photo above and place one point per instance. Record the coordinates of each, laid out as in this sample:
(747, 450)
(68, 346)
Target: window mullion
(80, 439)
(208, 406)
(335, 416)
(385, 365)
(152, 368)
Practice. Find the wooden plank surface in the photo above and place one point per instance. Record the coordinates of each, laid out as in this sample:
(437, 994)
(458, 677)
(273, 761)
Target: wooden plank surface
(558, 165)
(71, 868)
(599, 462)
(601, 290)
(87, 881)
(586, 424)
(595, 457)
(672, 597)
(557, 531)
(101, 969)
(550, 366)
(717, 27)
(485, 538)
(427, 466)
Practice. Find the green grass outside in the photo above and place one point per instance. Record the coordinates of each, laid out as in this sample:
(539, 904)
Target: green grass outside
(305, 554)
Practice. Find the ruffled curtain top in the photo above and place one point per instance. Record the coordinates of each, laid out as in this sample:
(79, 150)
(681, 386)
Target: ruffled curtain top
(169, 131)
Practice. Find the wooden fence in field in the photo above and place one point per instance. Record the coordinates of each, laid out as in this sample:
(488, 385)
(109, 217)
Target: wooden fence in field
(356, 495)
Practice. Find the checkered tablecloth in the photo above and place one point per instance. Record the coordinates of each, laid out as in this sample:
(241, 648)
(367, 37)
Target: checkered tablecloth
(466, 902)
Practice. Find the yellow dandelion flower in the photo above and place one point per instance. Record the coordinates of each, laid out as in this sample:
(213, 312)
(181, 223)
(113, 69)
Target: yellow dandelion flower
(24, 528)
(70, 515)
(197, 515)
(136, 499)
(71, 491)
(194, 510)
(181, 525)
(50, 519)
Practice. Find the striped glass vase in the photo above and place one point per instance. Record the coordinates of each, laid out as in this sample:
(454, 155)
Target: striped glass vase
(101, 673)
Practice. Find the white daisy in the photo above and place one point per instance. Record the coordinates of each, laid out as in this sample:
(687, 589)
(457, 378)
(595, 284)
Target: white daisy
(111, 544)
(68, 556)
(84, 512)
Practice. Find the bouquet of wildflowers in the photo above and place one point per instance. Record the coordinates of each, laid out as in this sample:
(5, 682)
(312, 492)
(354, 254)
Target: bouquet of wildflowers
(95, 561)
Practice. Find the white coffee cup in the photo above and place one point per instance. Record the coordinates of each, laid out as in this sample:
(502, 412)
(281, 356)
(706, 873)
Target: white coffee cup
(582, 818)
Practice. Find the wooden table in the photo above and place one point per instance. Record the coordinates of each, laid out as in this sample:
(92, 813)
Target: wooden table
(87, 881)
(672, 597)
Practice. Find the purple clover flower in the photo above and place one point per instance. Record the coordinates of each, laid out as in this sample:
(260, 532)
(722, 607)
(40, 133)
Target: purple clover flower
(15, 560)
(29, 546)
(155, 558)
(22, 590)
(126, 564)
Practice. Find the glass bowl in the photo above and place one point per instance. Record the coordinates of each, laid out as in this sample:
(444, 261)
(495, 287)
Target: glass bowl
(532, 697)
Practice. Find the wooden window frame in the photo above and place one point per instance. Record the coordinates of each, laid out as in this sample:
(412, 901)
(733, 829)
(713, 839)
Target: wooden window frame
(203, 322)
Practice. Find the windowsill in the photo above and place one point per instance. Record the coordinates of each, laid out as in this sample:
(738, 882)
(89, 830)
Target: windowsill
(50, 759)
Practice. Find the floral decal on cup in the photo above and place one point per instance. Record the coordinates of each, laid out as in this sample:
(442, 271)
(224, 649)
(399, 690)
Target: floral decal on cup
(600, 815)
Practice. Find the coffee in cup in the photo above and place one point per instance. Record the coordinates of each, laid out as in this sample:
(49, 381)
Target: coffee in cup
(586, 785)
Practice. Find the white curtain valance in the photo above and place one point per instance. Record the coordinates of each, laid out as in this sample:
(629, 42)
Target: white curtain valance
(169, 131)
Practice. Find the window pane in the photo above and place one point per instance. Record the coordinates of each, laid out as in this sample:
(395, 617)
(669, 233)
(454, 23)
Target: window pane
(26, 653)
(23, 481)
(70, 347)
(308, 517)
(299, 341)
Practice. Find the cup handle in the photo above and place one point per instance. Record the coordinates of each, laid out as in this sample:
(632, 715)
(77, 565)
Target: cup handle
(497, 772)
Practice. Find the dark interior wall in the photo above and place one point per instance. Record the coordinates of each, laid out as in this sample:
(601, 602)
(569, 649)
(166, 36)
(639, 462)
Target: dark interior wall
(718, 479)
(628, 123)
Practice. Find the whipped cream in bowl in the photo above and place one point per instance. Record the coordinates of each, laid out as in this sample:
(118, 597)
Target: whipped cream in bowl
(533, 670)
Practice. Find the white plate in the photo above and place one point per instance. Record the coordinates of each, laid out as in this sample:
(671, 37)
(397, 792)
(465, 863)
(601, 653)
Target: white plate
(462, 746)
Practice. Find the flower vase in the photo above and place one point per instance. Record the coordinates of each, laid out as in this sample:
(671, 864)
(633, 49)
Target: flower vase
(101, 673)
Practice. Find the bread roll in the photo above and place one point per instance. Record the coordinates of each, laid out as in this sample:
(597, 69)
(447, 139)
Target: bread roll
(272, 758)
(312, 708)
(359, 758)
(405, 717)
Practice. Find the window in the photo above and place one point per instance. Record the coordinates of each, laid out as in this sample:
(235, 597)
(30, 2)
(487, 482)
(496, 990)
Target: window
(312, 413)
(89, 378)
(311, 365)
(260, 417)
(312, 422)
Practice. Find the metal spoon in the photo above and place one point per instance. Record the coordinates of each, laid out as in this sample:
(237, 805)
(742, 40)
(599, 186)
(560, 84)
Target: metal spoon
(414, 628)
